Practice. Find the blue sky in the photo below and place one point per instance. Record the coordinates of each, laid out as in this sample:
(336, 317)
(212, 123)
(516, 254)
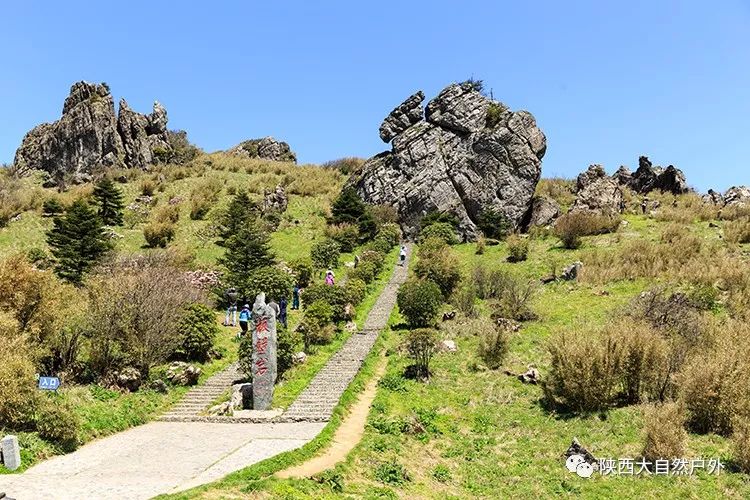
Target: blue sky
(606, 82)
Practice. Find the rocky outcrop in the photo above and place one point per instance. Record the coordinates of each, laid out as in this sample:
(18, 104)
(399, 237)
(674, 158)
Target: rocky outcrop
(544, 211)
(648, 178)
(276, 200)
(404, 116)
(266, 148)
(598, 192)
(469, 154)
(737, 195)
(89, 135)
(713, 197)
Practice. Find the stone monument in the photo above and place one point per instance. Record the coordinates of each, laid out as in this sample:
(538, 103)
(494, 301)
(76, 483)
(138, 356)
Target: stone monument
(264, 353)
(11, 452)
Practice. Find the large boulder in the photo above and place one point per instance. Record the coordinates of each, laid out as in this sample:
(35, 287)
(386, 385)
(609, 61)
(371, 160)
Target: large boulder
(402, 117)
(543, 212)
(89, 135)
(648, 178)
(266, 148)
(737, 195)
(469, 154)
(713, 198)
(598, 192)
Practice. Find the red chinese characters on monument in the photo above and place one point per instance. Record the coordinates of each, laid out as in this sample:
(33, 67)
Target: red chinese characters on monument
(261, 346)
(261, 365)
(262, 326)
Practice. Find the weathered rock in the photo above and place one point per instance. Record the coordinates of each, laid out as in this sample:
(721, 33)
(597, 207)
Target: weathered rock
(266, 148)
(242, 396)
(531, 376)
(351, 327)
(507, 324)
(448, 346)
(576, 448)
(222, 409)
(89, 135)
(299, 357)
(11, 453)
(130, 379)
(454, 162)
(713, 197)
(737, 195)
(402, 117)
(449, 316)
(181, 373)
(276, 200)
(648, 178)
(571, 272)
(143, 137)
(159, 386)
(544, 211)
(623, 176)
(597, 192)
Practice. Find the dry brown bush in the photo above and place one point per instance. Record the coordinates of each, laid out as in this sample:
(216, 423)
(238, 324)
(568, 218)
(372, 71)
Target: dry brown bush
(665, 432)
(559, 189)
(17, 196)
(571, 227)
(741, 444)
(737, 231)
(685, 209)
(18, 393)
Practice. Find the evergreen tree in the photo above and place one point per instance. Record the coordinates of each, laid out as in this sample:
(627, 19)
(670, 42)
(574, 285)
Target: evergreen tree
(77, 241)
(240, 212)
(247, 250)
(350, 209)
(109, 199)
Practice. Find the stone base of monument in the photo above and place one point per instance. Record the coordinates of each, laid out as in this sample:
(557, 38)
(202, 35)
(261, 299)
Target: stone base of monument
(257, 414)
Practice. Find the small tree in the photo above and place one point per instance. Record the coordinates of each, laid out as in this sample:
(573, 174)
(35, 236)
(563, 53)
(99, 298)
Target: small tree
(241, 212)
(349, 208)
(493, 223)
(247, 251)
(109, 200)
(419, 302)
(421, 345)
(198, 330)
(77, 241)
(272, 281)
(325, 254)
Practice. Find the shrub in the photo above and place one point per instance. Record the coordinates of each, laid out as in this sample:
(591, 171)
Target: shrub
(325, 254)
(18, 392)
(346, 166)
(57, 422)
(52, 207)
(166, 214)
(349, 208)
(198, 331)
(303, 271)
(441, 473)
(571, 227)
(512, 293)
(421, 345)
(464, 298)
(335, 296)
(737, 231)
(380, 245)
(158, 234)
(493, 223)
(518, 248)
(288, 343)
(419, 302)
(390, 232)
(182, 150)
(377, 259)
(442, 230)
(665, 434)
(559, 189)
(384, 214)
(317, 327)
(391, 473)
(345, 234)
(494, 342)
(595, 370)
(272, 281)
(714, 388)
(741, 444)
(495, 113)
(481, 246)
(203, 197)
(365, 271)
(148, 187)
(439, 265)
(356, 291)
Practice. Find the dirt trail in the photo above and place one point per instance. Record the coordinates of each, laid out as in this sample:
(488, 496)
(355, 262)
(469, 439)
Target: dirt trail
(347, 436)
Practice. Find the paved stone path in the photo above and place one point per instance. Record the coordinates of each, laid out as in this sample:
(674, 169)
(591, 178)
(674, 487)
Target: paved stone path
(164, 457)
(200, 397)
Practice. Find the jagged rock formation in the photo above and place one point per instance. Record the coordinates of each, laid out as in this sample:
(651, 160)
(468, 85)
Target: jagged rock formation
(90, 135)
(543, 212)
(276, 200)
(736, 195)
(467, 155)
(648, 178)
(598, 192)
(266, 148)
(713, 198)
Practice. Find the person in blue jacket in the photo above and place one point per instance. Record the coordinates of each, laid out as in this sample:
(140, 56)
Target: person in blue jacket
(245, 316)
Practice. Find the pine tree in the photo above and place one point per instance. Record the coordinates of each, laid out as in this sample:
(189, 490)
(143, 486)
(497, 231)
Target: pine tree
(349, 208)
(247, 250)
(109, 199)
(240, 212)
(77, 241)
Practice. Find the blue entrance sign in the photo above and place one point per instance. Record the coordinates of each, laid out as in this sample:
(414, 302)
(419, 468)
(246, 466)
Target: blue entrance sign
(49, 383)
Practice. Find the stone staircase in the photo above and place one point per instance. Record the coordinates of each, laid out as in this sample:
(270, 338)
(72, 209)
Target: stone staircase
(200, 397)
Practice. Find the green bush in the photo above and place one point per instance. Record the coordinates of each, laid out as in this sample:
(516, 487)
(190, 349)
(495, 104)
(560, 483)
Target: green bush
(345, 234)
(390, 232)
(441, 230)
(391, 473)
(464, 299)
(494, 116)
(18, 392)
(316, 326)
(374, 257)
(493, 223)
(494, 342)
(272, 281)
(421, 345)
(336, 296)
(438, 217)
(741, 444)
(325, 254)
(58, 423)
(303, 271)
(439, 265)
(571, 227)
(349, 208)
(356, 291)
(52, 207)
(380, 245)
(518, 248)
(158, 234)
(365, 271)
(419, 302)
(288, 343)
(198, 330)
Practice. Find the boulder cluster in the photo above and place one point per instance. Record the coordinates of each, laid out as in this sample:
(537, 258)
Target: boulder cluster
(266, 148)
(90, 135)
(462, 154)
